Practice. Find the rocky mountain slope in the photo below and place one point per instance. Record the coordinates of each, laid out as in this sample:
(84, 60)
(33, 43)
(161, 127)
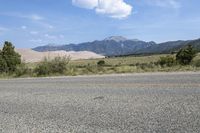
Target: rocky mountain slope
(118, 45)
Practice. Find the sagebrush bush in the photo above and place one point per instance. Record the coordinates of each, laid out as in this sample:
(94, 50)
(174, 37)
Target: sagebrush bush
(196, 63)
(43, 68)
(91, 68)
(57, 65)
(167, 61)
(22, 69)
(144, 66)
(101, 63)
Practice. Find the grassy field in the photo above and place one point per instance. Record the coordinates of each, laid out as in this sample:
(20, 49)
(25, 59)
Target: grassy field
(129, 64)
(113, 61)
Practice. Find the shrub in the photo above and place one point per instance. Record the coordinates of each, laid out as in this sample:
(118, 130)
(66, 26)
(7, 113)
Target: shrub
(101, 63)
(90, 68)
(145, 66)
(22, 69)
(43, 68)
(196, 63)
(185, 55)
(72, 71)
(167, 61)
(57, 65)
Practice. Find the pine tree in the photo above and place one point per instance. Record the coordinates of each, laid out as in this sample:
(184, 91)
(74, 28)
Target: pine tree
(11, 57)
(3, 64)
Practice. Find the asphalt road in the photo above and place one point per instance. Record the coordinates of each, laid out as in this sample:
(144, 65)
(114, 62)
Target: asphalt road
(137, 103)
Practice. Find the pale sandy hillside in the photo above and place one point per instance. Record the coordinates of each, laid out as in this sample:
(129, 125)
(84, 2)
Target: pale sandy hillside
(29, 55)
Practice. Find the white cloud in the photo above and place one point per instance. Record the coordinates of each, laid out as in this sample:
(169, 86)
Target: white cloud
(89, 4)
(113, 8)
(50, 26)
(44, 24)
(34, 17)
(50, 36)
(37, 19)
(33, 32)
(61, 36)
(54, 37)
(165, 3)
(23, 27)
(36, 40)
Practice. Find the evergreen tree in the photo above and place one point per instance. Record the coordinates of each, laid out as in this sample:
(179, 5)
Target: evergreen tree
(11, 57)
(3, 64)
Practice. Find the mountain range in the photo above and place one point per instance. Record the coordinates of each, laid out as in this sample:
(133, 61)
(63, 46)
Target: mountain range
(118, 45)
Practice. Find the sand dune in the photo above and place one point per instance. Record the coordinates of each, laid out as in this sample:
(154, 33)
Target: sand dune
(29, 55)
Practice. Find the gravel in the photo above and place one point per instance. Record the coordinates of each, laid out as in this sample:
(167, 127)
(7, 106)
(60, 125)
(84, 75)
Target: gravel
(130, 103)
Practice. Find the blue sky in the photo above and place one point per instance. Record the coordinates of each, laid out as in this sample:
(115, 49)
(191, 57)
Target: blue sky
(31, 23)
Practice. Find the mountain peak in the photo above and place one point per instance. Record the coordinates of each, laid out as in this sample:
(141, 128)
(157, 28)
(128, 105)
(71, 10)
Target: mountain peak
(135, 40)
(116, 38)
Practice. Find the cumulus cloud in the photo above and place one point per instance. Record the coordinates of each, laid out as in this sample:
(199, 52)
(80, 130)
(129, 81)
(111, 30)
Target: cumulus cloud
(112, 8)
(89, 4)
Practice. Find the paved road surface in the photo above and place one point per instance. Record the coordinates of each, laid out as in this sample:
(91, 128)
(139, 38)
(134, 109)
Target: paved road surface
(137, 103)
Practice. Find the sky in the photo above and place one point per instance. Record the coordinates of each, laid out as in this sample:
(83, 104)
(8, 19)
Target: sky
(31, 23)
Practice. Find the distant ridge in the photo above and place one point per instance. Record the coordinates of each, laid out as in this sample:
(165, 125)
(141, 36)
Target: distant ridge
(119, 45)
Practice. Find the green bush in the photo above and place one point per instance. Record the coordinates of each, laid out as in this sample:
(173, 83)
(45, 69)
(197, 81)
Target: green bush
(43, 68)
(101, 63)
(196, 63)
(145, 66)
(56, 66)
(91, 68)
(59, 65)
(185, 55)
(167, 61)
(22, 70)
